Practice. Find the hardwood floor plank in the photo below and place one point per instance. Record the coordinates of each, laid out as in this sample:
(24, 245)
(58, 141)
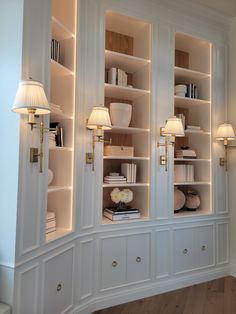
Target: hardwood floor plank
(213, 297)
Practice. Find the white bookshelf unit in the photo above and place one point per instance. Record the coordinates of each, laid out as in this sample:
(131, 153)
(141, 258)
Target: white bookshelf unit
(61, 159)
(128, 48)
(193, 66)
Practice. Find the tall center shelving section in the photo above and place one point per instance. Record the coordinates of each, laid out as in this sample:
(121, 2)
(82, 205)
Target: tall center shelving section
(63, 75)
(197, 111)
(127, 47)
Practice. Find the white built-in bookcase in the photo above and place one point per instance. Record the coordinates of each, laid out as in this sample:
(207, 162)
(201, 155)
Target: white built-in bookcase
(198, 112)
(61, 159)
(128, 47)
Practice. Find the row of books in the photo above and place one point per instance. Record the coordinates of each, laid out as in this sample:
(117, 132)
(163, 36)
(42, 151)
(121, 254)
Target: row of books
(117, 77)
(129, 171)
(55, 50)
(116, 215)
(184, 173)
(191, 91)
(50, 222)
(56, 135)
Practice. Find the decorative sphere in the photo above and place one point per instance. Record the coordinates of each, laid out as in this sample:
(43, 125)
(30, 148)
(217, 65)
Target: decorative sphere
(179, 199)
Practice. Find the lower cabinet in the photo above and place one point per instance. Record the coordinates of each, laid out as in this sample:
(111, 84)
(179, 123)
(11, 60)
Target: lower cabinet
(125, 259)
(58, 282)
(193, 248)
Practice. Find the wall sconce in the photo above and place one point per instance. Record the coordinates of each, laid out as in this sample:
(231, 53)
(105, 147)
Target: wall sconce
(98, 121)
(225, 133)
(30, 99)
(173, 128)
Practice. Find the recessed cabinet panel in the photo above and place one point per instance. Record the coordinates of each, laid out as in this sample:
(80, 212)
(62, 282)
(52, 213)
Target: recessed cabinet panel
(183, 250)
(58, 282)
(204, 246)
(138, 257)
(113, 262)
(223, 243)
(162, 253)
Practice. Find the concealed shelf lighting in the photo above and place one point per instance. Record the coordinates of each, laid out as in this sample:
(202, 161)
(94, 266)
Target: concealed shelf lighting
(173, 128)
(30, 99)
(225, 133)
(99, 121)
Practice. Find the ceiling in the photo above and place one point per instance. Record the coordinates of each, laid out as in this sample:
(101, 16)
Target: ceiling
(226, 7)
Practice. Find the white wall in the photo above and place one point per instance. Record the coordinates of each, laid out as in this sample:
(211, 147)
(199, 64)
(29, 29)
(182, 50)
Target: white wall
(232, 153)
(11, 26)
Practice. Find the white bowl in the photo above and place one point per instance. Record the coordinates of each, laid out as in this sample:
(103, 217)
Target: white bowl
(120, 114)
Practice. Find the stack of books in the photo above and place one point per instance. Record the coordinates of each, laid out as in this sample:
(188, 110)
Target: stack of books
(114, 178)
(55, 108)
(50, 222)
(117, 77)
(185, 153)
(129, 171)
(116, 215)
(191, 91)
(52, 139)
(195, 128)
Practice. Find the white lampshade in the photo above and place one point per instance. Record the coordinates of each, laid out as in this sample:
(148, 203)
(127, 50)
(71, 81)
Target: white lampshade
(225, 132)
(99, 119)
(30, 96)
(174, 127)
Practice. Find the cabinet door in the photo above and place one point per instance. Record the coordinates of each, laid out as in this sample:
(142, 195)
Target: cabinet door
(183, 250)
(58, 282)
(138, 257)
(204, 246)
(113, 262)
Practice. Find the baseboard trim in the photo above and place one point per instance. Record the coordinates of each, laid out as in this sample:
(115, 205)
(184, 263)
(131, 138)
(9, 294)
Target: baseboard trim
(233, 268)
(148, 290)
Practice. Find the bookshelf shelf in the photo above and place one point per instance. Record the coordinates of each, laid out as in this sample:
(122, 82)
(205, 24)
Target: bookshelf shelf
(60, 31)
(192, 183)
(183, 102)
(122, 92)
(52, 189)
(128, 63)
(187, 75)
(59, 69)
(111, 185)
(60, 232)
(192, 159)
(125, 158)
(128, 130)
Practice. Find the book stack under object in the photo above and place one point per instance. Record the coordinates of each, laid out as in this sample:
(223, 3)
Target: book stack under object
(194, 128)
(114, 178)
(129, 171)
(116, 215)
(185, 153)
(50, 222)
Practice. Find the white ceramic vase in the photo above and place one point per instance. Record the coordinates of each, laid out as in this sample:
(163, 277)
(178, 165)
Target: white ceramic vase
(120, 114)
(50, 176)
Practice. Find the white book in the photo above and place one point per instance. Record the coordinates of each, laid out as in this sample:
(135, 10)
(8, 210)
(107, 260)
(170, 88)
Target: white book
(114, 177)
(119, 77)
(112, 76)
(51, 224)
(124, 170)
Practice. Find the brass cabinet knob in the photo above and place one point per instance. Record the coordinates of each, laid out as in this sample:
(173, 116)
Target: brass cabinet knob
(114, 264)
(138, 259)
(204, 248)
(185, 251)
(59, 287)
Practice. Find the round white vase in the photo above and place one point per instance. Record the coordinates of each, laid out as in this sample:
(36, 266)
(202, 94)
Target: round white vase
(120, 114)
(50, 176)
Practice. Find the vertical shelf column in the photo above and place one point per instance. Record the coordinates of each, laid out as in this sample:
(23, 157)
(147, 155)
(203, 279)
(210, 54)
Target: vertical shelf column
(61, 139)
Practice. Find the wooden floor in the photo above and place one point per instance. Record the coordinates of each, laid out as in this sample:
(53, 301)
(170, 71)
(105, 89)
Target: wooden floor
(213, 297)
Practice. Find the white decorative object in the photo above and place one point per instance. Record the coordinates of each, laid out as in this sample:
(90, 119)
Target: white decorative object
(180, 90)
(120, 114)
(179, 200)
(50, 176)
(192, 200)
